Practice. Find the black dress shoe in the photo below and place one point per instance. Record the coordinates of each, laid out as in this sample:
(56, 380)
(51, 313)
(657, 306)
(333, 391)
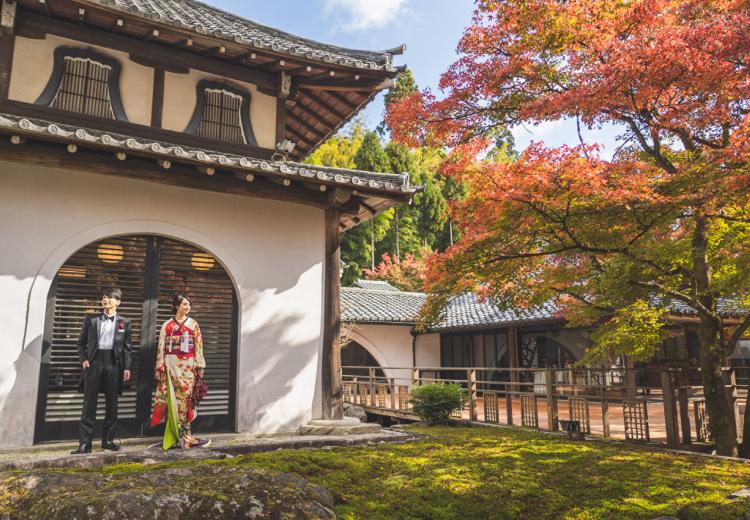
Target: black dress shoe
(83, 448)
(111, 446)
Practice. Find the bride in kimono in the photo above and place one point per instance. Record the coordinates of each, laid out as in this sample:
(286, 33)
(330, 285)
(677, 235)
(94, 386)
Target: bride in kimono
(179, 360)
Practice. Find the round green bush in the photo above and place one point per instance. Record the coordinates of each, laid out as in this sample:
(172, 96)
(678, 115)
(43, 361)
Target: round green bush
(435, 402)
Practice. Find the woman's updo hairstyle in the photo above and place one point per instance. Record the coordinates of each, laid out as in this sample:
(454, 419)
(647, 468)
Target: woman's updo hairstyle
(177, 301)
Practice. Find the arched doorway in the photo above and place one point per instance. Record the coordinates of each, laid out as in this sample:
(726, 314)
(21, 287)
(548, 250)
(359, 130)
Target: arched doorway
(150, 270)
(355, 355)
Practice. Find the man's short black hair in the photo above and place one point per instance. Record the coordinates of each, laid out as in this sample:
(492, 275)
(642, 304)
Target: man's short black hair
(113, 292)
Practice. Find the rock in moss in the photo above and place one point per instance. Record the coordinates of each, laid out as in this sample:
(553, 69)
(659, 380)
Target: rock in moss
(162, 494)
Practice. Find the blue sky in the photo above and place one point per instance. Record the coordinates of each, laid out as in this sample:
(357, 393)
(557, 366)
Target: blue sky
(429, 28)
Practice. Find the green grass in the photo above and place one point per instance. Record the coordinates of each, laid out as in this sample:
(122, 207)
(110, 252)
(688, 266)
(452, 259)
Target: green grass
(477, 472)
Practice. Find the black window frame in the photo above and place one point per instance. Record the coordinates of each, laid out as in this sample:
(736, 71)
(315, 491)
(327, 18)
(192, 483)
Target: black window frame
(200, 106)
(58, 71)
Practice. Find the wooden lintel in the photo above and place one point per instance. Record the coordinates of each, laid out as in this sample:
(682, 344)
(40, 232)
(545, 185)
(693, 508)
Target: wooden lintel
(151, 35)
(331, 373)
(118, 25)
(56, 156)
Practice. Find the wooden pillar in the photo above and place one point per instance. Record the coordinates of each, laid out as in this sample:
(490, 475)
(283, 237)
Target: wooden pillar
(682, 398)
(513, 356)
(332, 405)
(392, 396)
(630, 386)
(734, 402)
(472, 387)
(551, 401)
(605, 418)
(372, 392)
(415, 376)
(509, 407)
(7, 43)
(157, 98)
(670, 408)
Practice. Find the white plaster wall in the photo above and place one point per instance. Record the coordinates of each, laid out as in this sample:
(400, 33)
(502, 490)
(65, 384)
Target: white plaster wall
(272, 250)
(180, 97)
(428, 350)
(32, 68)
(390, 345)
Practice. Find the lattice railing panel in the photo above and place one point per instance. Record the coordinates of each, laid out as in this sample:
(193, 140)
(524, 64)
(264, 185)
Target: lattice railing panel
(404, 398)
(490, 407)
(579, 411)
(529, 411)
(635, 414)
(382, 395)
(348, 392)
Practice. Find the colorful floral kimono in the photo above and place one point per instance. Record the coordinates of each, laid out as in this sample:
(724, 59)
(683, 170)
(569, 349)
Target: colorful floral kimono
(179, 356)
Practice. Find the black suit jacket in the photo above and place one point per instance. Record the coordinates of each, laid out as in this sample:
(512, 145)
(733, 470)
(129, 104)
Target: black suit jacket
(88, 343)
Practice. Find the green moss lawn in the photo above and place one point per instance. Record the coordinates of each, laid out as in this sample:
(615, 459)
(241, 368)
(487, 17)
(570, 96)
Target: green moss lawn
(478, 472)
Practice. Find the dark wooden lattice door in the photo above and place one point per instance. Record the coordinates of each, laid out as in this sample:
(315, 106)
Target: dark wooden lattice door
(149, 270)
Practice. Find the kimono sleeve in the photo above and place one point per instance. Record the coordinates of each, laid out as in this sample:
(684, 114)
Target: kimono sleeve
(159, 369)
(200, 362)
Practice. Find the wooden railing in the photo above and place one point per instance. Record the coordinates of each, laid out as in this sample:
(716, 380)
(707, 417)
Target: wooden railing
(661, 405)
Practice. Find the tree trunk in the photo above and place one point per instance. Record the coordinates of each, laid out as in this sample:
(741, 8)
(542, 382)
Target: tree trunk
(720, 410)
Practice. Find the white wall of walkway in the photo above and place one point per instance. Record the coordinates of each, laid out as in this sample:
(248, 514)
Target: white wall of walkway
(272, 250)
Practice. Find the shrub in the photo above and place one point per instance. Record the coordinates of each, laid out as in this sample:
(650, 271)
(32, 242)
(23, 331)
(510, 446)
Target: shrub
(435, 402)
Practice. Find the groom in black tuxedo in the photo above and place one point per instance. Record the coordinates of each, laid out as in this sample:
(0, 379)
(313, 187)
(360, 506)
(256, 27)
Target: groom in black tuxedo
(104, 352)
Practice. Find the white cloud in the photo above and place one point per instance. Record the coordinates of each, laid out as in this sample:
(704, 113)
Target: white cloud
(358, 15)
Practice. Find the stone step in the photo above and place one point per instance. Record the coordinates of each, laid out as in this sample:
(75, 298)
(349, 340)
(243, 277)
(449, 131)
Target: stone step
(345, 426)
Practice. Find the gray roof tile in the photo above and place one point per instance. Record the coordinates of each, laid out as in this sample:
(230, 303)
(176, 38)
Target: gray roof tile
(466, 311)
(378, 285)
(204, 19)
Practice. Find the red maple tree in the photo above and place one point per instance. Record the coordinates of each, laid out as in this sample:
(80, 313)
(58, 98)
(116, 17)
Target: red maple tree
(665, 219)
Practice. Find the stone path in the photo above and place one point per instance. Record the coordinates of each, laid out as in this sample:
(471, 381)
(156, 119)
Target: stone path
(148, 450)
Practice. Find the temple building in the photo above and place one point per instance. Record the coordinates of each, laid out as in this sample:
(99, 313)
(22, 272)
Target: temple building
(157, 146)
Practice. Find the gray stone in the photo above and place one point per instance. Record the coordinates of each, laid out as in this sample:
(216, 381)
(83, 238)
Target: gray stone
(741, 493)
(175, 493)
(345, 426)
(357, 412)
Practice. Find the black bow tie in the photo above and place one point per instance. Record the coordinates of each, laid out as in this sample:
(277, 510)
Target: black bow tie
(110, 318)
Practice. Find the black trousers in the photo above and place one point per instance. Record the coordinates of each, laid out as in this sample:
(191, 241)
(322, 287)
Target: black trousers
(103, 374)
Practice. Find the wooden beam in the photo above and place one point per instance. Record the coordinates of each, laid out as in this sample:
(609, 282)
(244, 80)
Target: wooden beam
(55, 155)
(331, 376)
(315, 116)
(267, 83)
(157, 99)
(45, 6)
(280, 120)
(325, 105)
(311, 128)
(7, 43)
(341, 85)
(151, 35)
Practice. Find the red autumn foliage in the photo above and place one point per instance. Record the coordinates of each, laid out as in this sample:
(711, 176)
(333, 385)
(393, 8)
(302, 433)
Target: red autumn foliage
(666, 218)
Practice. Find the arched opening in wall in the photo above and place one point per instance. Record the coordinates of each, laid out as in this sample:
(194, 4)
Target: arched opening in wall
(149, 270)
(355, 355)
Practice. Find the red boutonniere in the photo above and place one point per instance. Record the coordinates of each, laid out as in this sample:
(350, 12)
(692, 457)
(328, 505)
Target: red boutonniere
(120, 325)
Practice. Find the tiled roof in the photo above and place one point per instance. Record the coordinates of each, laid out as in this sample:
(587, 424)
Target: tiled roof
(378, 285)
(204, 19)
(466, 311)
(365, 305)
(726, 307)
(378, 306)
(284, 169)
